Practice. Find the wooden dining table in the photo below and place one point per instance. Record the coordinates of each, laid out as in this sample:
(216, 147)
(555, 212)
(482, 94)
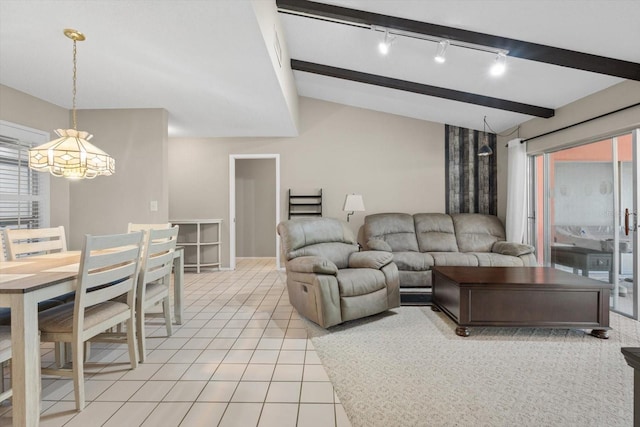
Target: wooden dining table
(24, 283)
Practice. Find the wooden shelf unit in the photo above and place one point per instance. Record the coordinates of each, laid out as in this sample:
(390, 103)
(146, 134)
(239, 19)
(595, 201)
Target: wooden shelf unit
(305, 204)
(201, 241)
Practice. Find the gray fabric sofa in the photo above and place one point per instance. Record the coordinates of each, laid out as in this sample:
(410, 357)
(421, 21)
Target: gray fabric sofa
(329, 280)
(419, 242)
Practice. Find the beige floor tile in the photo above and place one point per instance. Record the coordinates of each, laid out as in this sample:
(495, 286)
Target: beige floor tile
(200, 371)
(265, 356)
(245, 344)
(58, 414)
(316, 392)
(197, 343)
(316, 415)
(152, 391)
(131, 414)
(121, 391)
(218, 391)
(206, 333)
(185, 356)
(170, 372)
(250, 391)
(284, 392)
(291, 357)
(95, 414)
(258, 372)
(211, 356)
(314, 373)
(167, 414)
(241, 415)
(238, 356)
(270, 344)
(221, 343)
(311, 358)
(57, 389)
(229, 372)
(173, 343)
(203, 414)
(185, 391)
(279, 415)
(144, 371)
(285, 372)
(159, 356)
(294, 344)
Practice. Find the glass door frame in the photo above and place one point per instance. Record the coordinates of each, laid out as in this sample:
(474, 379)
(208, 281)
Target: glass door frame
(534, 210)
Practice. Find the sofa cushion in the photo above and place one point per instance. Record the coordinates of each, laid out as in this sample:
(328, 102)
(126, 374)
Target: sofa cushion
(456, 259)
(477, 232)
(435, 232)
(397, 229)
(338, 253)
(359, 281)
(489, 259)
(413, 261)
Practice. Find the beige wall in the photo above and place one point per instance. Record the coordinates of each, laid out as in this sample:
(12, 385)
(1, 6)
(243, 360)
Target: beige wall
(137, 139)
(396, 163)
(255, 207)
(611, 99)
(26, 110)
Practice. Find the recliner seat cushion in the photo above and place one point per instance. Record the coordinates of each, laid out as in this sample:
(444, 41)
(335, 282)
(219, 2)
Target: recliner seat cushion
(413, 261)
(359, 281)
(456, 259)
(396, 229)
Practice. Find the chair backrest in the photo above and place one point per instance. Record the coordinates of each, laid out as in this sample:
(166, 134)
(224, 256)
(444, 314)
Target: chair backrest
(108, 269)
(157, 258)
(34, 241)
(145, 227)
(477, 232)
(396, 229)
(326, 237)
(3, 247)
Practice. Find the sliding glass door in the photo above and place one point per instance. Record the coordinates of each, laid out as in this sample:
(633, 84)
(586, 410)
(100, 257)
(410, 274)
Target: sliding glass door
(584, 202)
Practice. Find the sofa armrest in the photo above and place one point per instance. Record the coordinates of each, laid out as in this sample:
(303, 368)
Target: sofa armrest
(370, 259)
(378, 245)
(511, 248)
(312, 264)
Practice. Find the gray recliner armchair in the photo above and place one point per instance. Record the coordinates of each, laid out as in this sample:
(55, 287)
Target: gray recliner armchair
(328, 279)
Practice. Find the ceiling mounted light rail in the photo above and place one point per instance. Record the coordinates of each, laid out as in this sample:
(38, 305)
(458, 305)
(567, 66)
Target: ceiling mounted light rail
(72, 155)
(512, 47)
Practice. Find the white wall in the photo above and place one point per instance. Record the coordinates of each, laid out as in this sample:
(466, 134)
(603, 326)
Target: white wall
(396, 163)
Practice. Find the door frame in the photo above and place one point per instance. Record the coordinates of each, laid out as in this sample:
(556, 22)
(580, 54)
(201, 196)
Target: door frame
(232, 203)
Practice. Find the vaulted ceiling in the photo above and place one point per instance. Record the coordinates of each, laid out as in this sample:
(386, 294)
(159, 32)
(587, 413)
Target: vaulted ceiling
(210, 63)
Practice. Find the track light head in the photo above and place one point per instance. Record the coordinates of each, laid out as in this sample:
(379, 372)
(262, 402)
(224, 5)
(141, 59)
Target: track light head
(385, 46)
(499, 64)
(442, 51)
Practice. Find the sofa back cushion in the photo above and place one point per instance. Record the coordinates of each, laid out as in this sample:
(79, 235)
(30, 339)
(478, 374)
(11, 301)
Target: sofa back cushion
(397, 229)
(435, 232)
(325, 237)
(477, 232)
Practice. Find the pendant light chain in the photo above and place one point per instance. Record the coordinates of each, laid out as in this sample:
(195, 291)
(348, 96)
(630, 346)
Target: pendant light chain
(73, 105)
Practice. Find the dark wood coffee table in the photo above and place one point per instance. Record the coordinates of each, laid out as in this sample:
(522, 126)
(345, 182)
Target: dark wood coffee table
(521, 297)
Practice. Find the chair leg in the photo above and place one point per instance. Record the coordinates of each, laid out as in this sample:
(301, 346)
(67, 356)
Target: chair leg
(141, 334)
(60, 354)
(166, 309)
(77, 348)
(133, 345)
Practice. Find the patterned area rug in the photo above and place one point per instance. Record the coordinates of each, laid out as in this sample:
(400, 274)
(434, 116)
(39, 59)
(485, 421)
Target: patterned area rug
(407, 367)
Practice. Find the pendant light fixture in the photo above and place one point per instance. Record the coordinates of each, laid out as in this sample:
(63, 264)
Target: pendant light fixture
(484, 149)
(72, 155)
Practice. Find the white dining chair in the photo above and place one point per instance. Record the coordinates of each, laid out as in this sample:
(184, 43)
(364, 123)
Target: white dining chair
(108, 269)
(21, 242)
(5, 356)
(154, 280)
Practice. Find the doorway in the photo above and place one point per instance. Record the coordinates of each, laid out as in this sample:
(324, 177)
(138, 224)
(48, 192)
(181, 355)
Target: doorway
(254, 206)
(585, 209)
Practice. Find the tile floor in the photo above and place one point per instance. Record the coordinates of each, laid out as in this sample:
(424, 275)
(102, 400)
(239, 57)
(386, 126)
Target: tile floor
(240, 358)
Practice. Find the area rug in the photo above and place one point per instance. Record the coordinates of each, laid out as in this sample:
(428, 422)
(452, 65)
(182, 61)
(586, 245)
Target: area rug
(407, 367)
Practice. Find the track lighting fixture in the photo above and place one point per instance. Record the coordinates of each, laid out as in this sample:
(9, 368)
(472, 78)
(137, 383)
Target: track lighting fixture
(385, 45)
(442, 51)
(499, 64)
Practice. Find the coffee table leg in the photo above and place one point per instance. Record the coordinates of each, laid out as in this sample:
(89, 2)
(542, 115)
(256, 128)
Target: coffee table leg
(462, 331)
(603, 334)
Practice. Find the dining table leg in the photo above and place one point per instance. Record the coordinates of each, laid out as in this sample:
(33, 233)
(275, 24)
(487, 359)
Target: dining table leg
(25, 360)
(178, 285)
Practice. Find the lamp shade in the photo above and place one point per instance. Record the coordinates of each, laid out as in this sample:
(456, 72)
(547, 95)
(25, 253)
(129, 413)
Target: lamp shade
(71, 156)
(353, 203)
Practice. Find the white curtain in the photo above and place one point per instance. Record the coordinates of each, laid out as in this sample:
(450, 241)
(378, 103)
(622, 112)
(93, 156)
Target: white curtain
(516, 191)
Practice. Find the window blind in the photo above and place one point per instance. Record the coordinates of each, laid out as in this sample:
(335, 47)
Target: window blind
(21, 191)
